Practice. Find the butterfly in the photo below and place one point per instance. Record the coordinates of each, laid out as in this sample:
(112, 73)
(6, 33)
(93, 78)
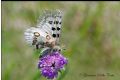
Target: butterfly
(47, 32)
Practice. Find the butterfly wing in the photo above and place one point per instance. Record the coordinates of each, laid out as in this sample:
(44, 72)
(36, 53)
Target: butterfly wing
(34, 36)
(57, 24)
(45, 22)
(47, 31)
(38, 37)
(29, 35)
(51, 24)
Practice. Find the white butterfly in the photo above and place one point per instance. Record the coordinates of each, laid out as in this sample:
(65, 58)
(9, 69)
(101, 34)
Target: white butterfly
(47, 32)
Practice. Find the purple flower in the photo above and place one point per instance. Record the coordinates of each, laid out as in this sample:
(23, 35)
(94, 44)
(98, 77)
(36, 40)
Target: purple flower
(51, 64)
(49, 72)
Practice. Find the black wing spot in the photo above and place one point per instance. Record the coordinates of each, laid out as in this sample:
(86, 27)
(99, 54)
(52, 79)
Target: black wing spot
(59, 22)
(56, 22)
(58, 28)
(54, 35)
(53, 28)
(58, 35)
(50, 22)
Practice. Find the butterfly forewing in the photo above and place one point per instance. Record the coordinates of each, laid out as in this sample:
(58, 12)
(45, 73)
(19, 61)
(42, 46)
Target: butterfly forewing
(57, 23)
(51, 24)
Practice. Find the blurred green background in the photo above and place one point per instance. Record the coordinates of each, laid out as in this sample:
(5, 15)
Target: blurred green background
(90, 32)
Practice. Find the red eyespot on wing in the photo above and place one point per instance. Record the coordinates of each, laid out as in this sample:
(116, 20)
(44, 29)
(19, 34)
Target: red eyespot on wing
(48, 37)
(36, 34)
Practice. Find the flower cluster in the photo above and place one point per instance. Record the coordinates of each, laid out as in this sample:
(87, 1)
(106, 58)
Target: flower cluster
(51, 64)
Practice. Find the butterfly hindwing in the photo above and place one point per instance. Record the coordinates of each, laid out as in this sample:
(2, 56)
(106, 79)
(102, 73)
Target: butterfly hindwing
(34, 36)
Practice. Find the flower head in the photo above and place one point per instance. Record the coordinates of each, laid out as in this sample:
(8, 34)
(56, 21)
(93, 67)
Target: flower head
(51, 64)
